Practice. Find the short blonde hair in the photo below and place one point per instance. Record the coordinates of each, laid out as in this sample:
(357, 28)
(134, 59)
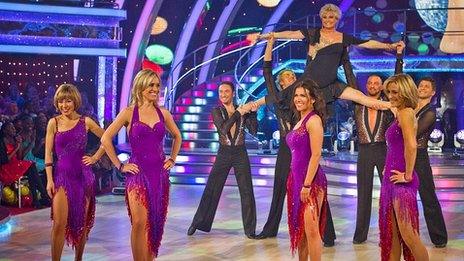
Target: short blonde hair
(279, 76)
(68, 91)
(141, 82)
(331, 8)
(406, 87)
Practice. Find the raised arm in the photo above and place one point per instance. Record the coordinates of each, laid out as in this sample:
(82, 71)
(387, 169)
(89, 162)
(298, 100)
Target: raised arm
(267, 73)
(399, 57)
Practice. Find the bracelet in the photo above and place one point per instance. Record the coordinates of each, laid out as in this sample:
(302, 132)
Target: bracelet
(172, 161)
(121, 166)
(306, 186)
(48, 164)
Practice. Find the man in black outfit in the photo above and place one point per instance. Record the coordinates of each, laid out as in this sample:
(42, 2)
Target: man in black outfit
(426, 116)
(372, 149)
(230, 122)
(282, 101)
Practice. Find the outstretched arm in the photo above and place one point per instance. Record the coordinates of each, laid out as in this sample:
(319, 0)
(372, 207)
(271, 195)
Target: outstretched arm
(373, 44)
(283, 35)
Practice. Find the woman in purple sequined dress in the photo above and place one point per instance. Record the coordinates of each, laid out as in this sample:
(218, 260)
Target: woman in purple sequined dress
(306, 183)
(147, 179)
(70, 181)
(398, 215)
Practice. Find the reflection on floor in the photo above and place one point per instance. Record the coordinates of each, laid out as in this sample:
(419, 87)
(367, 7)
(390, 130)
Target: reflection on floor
(26, 236)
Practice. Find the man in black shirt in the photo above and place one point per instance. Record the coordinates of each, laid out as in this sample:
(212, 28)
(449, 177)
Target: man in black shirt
(426, 116)
(230, 121)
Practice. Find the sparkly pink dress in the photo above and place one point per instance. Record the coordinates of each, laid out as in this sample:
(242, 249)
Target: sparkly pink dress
(405, 194)
(300, 145)
(152, 182)
(77, 180)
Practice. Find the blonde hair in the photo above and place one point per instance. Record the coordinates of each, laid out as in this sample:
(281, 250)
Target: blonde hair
(407, 89)
(68, 91)
(279, 76)
(141, 82)
(331, 8)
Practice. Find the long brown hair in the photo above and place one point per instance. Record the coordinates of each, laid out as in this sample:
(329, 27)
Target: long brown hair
(312, 92)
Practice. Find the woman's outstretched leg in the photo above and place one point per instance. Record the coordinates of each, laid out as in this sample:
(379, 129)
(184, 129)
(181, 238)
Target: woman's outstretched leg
(60, 220)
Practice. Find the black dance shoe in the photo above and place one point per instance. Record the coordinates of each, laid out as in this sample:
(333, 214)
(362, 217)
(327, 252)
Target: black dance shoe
(251, 236)
(191, 230)
(329, 244)
(440, 245)
(358, 242)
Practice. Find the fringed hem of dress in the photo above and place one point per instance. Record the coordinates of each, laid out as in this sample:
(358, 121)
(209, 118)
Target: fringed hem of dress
(156, 213)
(408, 213)
(296, 226)
(77, 224)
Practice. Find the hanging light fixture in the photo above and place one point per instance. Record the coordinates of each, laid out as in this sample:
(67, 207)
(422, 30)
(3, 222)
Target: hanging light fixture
(269, 3)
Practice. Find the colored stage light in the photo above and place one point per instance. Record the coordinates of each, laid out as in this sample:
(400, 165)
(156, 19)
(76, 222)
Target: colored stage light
(200, 180)
(377, 18)
(160, 25)
(369, 11)
(423, 49)
(269, 3)
(242, 30)
(436, 141)
(460, 137)
(159, 54)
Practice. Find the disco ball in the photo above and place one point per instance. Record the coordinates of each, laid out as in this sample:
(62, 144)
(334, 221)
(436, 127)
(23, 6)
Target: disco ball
(433, 18)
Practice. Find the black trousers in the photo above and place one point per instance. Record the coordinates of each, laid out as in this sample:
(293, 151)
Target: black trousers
(369, 156)
(432, 209)
(228, 157)
(282, 168)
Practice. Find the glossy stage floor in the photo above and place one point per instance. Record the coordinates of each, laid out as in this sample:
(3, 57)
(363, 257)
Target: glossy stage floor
(26, 236)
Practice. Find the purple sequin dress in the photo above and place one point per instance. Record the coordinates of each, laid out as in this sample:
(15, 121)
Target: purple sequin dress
(76, 179)
(151, 184)
(404, 193)
(300, 146)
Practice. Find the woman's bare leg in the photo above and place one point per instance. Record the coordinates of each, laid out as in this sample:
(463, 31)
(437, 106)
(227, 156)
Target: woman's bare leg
(139, 228)
(311, 219)
(395, 254)
(410, 237)
(80, 247)
(60, 220)
(359, 97)
(303, 249)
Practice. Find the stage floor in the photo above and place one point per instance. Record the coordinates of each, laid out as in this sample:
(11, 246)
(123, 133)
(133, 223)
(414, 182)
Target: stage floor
(27, 235)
